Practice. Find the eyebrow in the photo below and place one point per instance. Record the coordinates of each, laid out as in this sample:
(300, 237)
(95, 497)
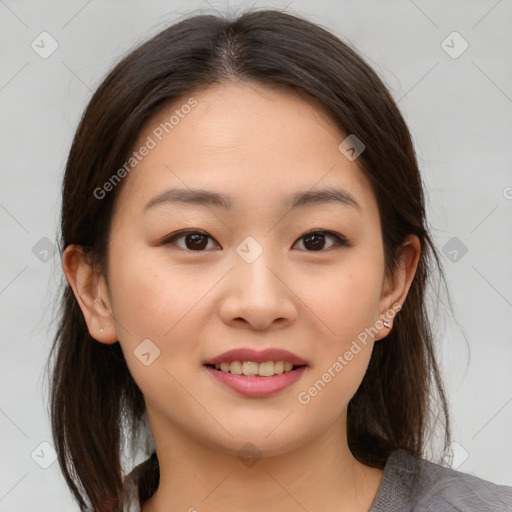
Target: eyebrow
(207, 197)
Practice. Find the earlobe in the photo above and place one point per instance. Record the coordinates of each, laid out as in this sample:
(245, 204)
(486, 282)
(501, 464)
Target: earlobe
(396, 287)
(90, 290)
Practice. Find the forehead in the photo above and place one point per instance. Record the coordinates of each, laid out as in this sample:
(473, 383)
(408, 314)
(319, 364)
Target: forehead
(254, 143)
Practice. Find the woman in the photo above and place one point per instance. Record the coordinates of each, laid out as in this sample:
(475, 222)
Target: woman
(245, 244)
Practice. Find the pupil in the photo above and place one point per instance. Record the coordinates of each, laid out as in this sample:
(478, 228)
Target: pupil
(197, 241)
(318, 240)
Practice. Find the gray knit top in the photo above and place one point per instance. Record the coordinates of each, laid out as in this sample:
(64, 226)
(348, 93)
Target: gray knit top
(411, 485)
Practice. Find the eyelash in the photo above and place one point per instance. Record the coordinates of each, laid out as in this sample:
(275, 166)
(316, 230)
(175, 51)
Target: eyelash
(340, 240)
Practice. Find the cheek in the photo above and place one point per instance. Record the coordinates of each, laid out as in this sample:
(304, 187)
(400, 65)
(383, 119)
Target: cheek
(154, 306)
(343, 301)
(326, 394)
(146, 287)
(346, 309)
(153, 300)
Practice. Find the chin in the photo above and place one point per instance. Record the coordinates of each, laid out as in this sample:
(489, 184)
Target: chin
(260, 440)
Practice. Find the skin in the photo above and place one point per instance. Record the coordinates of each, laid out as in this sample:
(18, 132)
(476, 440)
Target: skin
(259, 145)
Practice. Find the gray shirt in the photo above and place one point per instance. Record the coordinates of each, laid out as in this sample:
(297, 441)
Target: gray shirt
(417, 485)
(413, 485)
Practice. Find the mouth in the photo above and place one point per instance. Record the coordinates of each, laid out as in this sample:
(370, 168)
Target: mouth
(256, 373)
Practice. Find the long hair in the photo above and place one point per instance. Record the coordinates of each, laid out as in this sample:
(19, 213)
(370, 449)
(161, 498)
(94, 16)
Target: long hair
(92, 393)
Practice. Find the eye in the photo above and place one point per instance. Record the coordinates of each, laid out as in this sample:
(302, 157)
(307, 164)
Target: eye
(314, 241)
(193, 240)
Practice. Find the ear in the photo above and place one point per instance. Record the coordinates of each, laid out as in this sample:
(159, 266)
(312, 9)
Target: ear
(90, 290)
(396, 287)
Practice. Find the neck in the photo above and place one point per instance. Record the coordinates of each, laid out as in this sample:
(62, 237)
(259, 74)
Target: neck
(319, 475)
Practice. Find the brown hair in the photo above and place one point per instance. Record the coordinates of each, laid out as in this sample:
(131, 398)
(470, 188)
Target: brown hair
(92, 390)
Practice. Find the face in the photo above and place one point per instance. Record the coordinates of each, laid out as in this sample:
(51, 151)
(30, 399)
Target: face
(193, 278)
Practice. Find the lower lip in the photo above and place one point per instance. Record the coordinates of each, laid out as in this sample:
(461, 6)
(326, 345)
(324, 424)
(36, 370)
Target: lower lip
(257, 386)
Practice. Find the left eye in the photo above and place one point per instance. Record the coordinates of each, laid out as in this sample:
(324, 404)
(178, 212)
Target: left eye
(313, 241)
(316, 239)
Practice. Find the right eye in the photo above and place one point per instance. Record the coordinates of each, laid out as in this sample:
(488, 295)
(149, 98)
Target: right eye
(194, 240)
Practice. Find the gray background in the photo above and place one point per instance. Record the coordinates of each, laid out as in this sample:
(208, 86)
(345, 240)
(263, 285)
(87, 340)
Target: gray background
(459, 112)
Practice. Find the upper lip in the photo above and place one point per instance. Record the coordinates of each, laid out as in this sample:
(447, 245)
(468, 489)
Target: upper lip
(257, 356)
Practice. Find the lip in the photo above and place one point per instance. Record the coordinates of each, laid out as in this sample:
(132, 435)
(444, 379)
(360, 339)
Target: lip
(257, 356)
(255, 386)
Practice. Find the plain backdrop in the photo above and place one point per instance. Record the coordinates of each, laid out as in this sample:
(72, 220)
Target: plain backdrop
(455, 91)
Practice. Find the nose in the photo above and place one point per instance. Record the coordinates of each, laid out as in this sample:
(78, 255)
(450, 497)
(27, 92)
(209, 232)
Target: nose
(258, 295)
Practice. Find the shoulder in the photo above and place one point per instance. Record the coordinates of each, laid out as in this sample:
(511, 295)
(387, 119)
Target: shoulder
(417, 485)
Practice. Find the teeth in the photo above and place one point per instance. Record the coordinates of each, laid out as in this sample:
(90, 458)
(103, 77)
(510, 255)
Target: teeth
(251, 368)
(266, 369)
(235, 367)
